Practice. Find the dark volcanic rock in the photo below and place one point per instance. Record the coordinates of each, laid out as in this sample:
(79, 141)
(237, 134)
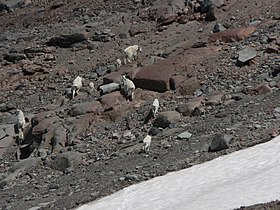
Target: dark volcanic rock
(68, 40)
(14, 57)
(66, 160)
(220, 142)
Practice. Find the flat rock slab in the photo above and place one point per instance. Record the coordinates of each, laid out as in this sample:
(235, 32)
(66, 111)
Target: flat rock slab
(246, 54)
(236, 34)
(185, 135)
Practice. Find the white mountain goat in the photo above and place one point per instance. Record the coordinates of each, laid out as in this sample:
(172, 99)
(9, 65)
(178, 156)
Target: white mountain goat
(132, 53)
(119, 63)
(155, 107)
(128, 87)
(76, 86)
(147, 143)
(91, 84)
(20, 120)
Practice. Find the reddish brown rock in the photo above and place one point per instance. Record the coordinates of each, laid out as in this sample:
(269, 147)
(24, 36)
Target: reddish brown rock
(215, 99)
(260, 89)
(164, 119)
(176, 80)
(155, 77)
(188, 108)
(87, 107)
(188, 86)
(236, 34)
(43, 126)
(273, 48)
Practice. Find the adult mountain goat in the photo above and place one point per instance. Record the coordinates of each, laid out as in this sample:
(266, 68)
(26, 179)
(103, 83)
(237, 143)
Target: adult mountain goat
(76, 86)
(128, 87)
(132, 53)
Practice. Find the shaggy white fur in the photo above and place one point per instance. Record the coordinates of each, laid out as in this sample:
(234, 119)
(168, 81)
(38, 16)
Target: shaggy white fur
(155, 107)
(76, 86)
(20, 119)
(128, 87)
(147, 143)
(132, 53)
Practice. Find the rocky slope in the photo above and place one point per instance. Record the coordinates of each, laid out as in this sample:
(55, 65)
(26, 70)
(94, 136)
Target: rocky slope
(213, 65)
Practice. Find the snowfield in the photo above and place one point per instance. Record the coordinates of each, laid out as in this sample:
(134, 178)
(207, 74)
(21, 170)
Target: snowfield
(242, 178)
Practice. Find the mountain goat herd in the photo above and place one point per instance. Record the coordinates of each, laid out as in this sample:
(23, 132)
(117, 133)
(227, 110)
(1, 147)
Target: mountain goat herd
(127, 88)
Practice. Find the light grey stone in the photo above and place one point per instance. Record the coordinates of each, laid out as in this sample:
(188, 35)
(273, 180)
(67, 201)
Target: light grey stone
(108, 88)
(246, 54)
(185, 135)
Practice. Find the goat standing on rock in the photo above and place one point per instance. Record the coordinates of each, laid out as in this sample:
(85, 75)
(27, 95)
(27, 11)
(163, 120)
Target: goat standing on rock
(155, 107)
(20, 120)
(76, 86)
(128, 87)
(132, 53)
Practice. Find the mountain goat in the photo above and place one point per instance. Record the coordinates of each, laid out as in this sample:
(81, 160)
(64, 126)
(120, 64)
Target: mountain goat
(155, 107)
(147, 143)
(20, 120)
(132, 53)
(76, 86)
(119, 63)
(128, 87)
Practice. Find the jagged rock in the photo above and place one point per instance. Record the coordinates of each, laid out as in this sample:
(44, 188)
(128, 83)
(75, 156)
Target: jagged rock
(218, 28)
(103, 36)
(188, 108)
(220, 142)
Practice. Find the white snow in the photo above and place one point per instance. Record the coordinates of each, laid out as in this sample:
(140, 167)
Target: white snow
(242, 178)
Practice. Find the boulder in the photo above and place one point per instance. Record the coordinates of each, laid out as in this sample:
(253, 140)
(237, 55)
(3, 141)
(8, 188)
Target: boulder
(108, 88)
(220, 142)
(67, 160)
(155, 77)
(164, 119)
(68, 39)
(188, 108)
(86, 107)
